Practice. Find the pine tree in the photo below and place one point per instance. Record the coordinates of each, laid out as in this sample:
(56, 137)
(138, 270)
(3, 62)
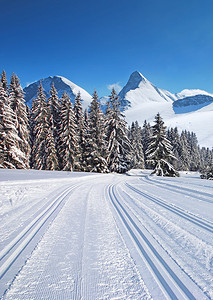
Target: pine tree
(68, 147)
(3, 106)
(195, 160)
(96, 162)
(184, 152)
(136, 142)
(207, 167)
(206, 160)
(146, 134)
(174, 138)
(10, 155)
(17, 103)
(52, 155)
(43, 151)
(85, 146)
(32, 129)
(4, 80)
(119, 147)
(79, 120)
(159, 151)
(53, 103)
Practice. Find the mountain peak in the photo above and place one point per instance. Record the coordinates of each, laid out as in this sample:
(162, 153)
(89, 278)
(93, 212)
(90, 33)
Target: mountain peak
(133, 83)
(137, 77)
(61, 84)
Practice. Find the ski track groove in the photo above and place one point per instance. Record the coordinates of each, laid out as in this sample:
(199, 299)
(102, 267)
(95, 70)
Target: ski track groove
(207, 225)
(168, 251)
(133, 229)
(28, 233)
(178, 189)
(171, 284)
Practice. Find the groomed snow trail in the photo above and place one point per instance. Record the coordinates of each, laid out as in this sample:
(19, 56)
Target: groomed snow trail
(115, 237)
(82, 254)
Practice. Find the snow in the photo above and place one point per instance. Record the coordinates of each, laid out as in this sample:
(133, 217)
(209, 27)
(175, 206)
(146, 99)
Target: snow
(67, 235)
(146, 100)
(139, 90)
(197, 121)
(61, 84)
(192, 92)
(76, 89)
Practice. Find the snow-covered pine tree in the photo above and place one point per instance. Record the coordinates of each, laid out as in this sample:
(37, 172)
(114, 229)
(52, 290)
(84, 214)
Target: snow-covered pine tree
(11, 156)
(3, 103)
(78, 110)
(202, 158)
(79, 120)
(68, 147)
(136, 142)
(184, 152)
(4, 80)
(206, 159)
(85, 146)
(129, 131)
(43, 151)
(159, 151)
(119, 147)
(195, 161)
(207, 163)
(17, 103)
(52, 155)
(174, 138)
(54, 106)
(146, 134)
(31, 129)
(96, 162)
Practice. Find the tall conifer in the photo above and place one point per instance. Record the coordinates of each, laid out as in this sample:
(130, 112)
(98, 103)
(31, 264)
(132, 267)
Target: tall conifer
(17, 103)
(11, 156)
(67, 135)
(4, 80)
(43, 151)
(159, 151)
(79, 120)
(96, 161)
(119, 147)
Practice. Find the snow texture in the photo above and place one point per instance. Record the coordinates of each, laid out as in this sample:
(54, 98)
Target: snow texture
(61, 84)
(189, 109)
(67, 235)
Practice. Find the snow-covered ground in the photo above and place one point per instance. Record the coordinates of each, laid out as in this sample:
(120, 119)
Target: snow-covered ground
(105, 236)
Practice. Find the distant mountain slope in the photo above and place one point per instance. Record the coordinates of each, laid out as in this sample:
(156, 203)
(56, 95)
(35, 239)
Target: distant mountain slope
(139, 90)
(190, 109)
(61, 84)
(190, 104)
(190, 93)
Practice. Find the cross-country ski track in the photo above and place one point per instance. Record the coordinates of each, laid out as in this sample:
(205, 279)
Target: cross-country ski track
(105, 236)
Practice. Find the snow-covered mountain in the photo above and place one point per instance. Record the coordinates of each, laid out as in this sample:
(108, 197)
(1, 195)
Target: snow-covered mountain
(140, 90)
(61, 84)
(190, 93)
(190, 109)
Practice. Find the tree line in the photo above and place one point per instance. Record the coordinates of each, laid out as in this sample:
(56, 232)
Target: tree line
(56, 134)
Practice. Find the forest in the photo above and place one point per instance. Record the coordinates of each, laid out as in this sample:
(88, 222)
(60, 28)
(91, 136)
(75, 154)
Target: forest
(55, 134)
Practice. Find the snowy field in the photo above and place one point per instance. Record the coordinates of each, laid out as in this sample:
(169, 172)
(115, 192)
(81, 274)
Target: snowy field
(105, 236)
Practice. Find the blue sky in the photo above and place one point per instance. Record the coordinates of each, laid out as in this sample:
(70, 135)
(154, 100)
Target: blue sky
(99, 43)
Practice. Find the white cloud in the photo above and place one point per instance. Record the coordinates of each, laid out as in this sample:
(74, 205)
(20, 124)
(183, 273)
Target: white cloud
(116, 86)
